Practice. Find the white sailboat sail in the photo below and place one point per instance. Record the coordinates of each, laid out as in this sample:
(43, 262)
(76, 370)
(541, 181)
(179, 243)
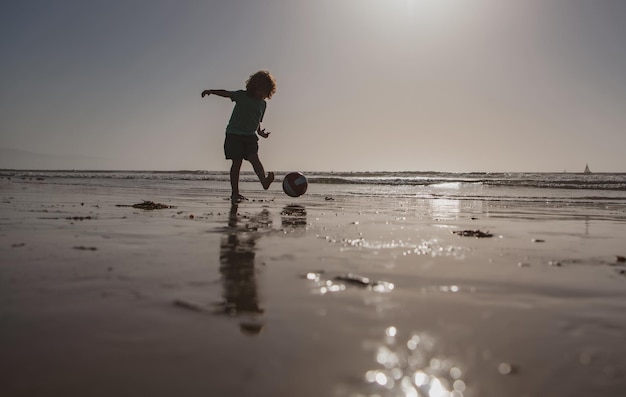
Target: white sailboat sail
(587, 170)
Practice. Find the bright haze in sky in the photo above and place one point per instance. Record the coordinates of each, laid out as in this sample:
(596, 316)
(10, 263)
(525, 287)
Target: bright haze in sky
(416, 85)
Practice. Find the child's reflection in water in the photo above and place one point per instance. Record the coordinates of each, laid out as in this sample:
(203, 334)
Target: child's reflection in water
(237, 261)
(237, 256)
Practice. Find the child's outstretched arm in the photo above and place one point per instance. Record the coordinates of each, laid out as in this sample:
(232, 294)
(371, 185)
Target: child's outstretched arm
(222, 93)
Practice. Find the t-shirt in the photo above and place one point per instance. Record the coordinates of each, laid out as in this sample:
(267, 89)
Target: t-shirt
(247, 114)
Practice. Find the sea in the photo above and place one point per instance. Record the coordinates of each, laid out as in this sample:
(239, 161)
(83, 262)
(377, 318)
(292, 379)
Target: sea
(575, 188)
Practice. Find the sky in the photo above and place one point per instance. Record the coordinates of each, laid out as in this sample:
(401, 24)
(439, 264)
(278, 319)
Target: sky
(363, 85)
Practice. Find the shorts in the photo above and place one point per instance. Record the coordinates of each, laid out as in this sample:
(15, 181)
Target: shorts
(237, 147)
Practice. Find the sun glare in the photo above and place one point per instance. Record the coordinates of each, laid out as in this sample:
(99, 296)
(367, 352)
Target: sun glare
(428, 11)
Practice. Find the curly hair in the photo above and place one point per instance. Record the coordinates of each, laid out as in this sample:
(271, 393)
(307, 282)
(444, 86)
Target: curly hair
(262, 81)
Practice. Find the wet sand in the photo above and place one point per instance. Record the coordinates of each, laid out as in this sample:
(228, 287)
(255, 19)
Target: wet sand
(354, 296)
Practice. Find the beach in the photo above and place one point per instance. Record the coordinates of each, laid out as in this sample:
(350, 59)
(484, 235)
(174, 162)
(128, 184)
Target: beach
(446, 288)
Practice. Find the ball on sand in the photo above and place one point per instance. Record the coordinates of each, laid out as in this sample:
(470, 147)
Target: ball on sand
(295, 184)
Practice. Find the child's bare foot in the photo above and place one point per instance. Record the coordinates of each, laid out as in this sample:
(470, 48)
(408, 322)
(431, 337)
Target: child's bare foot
(268, 181)
(237, 198)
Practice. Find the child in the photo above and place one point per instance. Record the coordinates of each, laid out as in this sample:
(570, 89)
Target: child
(245, 122)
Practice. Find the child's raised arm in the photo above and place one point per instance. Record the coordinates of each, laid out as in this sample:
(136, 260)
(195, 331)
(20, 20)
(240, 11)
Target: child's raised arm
(222, 93)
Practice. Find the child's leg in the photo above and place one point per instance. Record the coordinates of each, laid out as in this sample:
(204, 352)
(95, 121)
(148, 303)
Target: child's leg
(234, 177)
(266, 181)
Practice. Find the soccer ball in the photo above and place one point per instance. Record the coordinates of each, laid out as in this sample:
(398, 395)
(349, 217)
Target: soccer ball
(295, 184)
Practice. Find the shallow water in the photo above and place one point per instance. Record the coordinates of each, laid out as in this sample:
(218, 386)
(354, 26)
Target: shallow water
(256, 300)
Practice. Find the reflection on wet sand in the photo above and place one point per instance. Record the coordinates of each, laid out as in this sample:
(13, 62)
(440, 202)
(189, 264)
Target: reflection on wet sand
(237, 262)
(293, 216)
(237, 267)
(413, 367)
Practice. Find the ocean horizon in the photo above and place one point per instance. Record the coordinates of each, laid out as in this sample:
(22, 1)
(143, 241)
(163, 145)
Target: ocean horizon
(593, 188)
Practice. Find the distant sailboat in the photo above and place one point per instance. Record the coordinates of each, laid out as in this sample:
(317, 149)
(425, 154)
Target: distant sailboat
(587, 170)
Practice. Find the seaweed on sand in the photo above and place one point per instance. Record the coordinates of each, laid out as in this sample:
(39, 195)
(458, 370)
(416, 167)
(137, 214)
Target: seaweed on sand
(472, 233)
(147, 205)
